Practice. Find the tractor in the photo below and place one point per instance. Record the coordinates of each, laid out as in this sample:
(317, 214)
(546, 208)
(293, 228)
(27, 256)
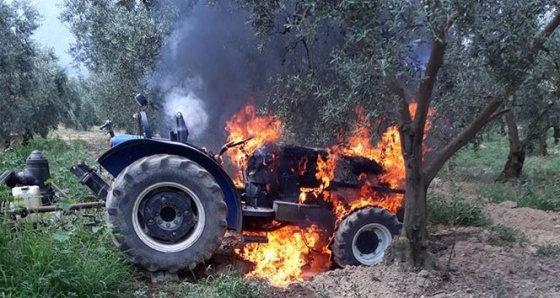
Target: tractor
(170, 203)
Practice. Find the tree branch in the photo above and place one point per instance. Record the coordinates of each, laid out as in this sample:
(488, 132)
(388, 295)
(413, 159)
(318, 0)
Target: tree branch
(427, 85)
(403, 112)
(538, 42)
(428, 82)
(483, 117)
(496, 115)
(467, 134)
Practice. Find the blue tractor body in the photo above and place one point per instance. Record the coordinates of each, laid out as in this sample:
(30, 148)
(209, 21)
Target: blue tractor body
(129, 148)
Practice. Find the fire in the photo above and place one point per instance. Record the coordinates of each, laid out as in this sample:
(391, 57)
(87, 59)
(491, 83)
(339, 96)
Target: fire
(245, 124)
(280, 260)
(290, 248)
(412, 109)
(387, 151)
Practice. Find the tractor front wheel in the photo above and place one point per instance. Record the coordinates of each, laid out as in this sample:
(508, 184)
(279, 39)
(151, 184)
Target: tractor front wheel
(166, 213)
(363, 236)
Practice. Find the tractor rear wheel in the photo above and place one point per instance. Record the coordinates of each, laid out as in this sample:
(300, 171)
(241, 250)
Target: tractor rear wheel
(166, 213)
(363, 236)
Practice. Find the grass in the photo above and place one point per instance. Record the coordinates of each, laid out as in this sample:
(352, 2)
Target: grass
(548, 250)
(497, 192)
(502, 235)
(544, 198)
(537, 188)
(66, 259)
(227, 286)
(483, 164)
(456, 212)
(224, 285)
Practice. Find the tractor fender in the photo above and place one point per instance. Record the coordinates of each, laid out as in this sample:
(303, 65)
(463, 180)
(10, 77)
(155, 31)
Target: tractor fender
(116, 159)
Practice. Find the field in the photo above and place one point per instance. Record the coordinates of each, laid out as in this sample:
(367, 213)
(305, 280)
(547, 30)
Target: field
(488, 239)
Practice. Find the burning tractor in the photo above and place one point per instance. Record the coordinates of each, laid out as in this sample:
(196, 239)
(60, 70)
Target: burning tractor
(170, 203)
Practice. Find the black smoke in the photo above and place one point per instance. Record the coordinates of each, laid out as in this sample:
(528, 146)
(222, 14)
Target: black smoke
(210, 67)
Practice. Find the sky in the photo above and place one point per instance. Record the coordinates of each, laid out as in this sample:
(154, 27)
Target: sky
(53, 33)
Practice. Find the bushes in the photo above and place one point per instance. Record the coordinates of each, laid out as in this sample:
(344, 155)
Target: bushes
(67, 259)
(457, 212)
(502, 235)
(64, 259)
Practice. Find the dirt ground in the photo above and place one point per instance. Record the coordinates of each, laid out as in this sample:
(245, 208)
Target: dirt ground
(476, 268)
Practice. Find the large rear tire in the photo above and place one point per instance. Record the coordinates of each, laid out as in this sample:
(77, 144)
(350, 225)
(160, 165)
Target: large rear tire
(166, 213)
(363, 236)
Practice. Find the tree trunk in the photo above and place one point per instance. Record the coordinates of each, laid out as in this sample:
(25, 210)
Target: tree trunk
(541, 151)
(412, 248)
(516, 156)
(556, 133)
(26, 136)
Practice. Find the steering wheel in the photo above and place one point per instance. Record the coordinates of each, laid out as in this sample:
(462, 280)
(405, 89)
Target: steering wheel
(232, 144)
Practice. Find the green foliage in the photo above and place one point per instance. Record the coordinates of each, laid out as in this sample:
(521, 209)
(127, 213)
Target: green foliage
(512, 25)
(502, 235)
(34, 90)
(354, 48)
(545, 198)
(119, 42)
(66, 259)
(456, 212)
(548, 250)
(537, 187)
(497, 192)
(80, 111)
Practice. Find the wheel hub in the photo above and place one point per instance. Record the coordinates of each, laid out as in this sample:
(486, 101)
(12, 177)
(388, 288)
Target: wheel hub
(168, 216)
(367, 242)
(370, 242)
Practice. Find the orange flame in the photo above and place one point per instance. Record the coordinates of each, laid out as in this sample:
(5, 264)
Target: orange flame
(412, 109)
(280, 260)
(263, 129)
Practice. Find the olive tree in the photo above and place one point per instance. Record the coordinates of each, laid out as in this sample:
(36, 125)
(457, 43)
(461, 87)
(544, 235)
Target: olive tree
(32, 84)
(393, 52)
(118, 42)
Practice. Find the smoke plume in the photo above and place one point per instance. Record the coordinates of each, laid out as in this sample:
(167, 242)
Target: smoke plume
(190, 106)
(209, 68)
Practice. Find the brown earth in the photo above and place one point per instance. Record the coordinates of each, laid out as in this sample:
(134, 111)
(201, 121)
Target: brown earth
(467, 265)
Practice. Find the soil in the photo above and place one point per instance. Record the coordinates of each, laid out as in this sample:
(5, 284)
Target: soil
(467, 265)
